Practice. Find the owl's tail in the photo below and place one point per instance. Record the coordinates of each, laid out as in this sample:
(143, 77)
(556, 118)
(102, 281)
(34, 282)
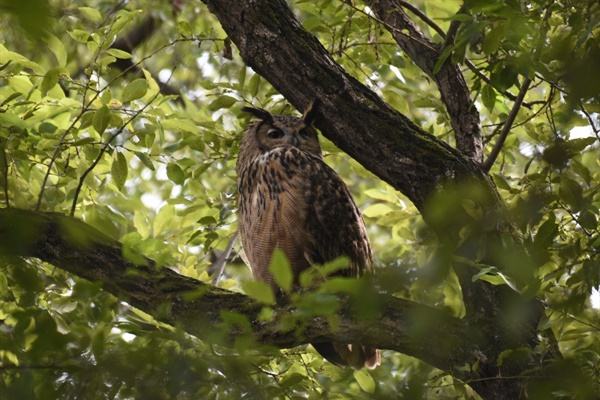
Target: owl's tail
(353, 355)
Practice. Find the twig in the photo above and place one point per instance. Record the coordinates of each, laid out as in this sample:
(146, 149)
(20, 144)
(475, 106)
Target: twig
(219, 265)
(2, 141)
(424, 17)
(487, 164)
(590, 119)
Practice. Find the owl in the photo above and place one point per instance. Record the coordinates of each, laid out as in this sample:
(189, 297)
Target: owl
(289, 199)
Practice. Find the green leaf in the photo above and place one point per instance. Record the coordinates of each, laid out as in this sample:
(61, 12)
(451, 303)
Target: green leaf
(587, 219)
(106, 60)
(292, 379)
(184, 29)
(118, 170)
(501, 181)
(134, 90)
(101, 119)
(570, 192)
(140, 222)
(488, 97)
(546, 233)
(79, 35)
(492, 40)
(254, 85)
(504, 77)
(179, 125)
(365, 380)
(341, 285)
(577, 145)
(380, 194)
(222, 102)
(10, 98)
(84, 141)
(164, 217)
(119, 53)
(145, 159)
(281, 270)
(175, 174)
(377, 210)
(10, 119)
(124, 17)
(57, 47)
(91, 14)
(259, 291)
(50, 80)
(483, 272)
(9, 57)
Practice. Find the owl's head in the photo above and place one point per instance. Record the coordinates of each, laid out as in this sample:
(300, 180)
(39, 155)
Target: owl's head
(271, 131)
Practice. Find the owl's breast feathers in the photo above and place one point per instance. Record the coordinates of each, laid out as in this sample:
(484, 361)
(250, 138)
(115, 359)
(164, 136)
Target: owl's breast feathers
(291, 199)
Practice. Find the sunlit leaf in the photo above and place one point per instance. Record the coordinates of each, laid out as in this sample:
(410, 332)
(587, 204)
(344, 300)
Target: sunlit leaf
(79, 35)
(365, 380)
(117, 53)
(377, 210)
(259, 291)
(57, 47)
(222, 102)
(163, 218)
(135, 90)
(184, 29)
(91, 14)
(281, 270)
(9, 119)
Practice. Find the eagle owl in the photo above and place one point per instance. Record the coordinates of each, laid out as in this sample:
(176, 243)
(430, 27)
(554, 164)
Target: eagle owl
(291, 200)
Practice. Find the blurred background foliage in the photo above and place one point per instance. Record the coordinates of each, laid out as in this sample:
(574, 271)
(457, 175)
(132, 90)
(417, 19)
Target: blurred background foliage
(141, 142)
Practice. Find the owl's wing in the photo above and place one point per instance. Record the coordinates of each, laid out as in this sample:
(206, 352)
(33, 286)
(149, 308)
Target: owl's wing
(334, 222)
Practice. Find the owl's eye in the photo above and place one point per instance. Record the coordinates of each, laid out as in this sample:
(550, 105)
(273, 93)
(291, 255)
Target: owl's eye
(303, 133)
(275, 133)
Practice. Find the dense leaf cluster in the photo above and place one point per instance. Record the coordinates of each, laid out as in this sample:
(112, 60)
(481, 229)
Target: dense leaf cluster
(138, 138)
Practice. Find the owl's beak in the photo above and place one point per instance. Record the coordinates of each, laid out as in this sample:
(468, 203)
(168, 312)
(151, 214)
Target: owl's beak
(295, 142)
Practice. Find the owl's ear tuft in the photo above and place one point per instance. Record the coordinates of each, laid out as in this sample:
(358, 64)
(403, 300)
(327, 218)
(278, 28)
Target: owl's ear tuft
(311, 112)
(258, 113)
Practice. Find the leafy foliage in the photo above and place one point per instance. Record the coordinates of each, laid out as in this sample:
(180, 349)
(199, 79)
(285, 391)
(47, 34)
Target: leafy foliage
(80, 134)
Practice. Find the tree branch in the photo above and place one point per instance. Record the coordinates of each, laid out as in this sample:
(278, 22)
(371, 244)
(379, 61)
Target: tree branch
(69, 244)
(352, 116)
(451, 83)
(508, 123)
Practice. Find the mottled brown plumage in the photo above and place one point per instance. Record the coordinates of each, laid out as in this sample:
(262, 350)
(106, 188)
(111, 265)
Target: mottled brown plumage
(290, 199)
